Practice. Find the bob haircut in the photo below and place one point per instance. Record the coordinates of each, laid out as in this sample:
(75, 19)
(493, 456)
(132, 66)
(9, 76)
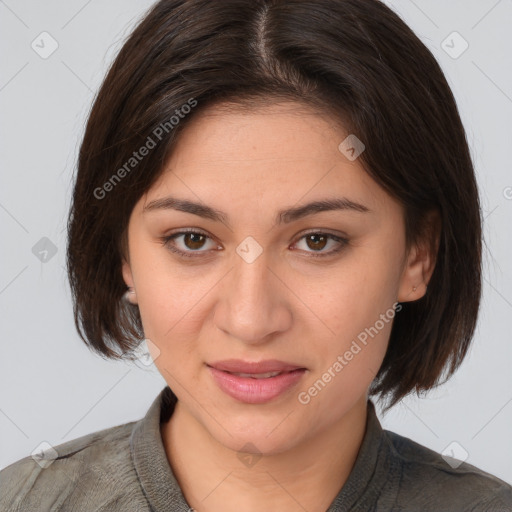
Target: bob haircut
(356, 62)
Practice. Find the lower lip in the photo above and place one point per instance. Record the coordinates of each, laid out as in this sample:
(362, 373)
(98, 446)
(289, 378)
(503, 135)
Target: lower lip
(255, 391)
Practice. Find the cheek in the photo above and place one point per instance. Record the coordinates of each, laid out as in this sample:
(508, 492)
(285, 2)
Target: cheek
(171, 308)
(172, 298)
(359, 312)
(363, 288)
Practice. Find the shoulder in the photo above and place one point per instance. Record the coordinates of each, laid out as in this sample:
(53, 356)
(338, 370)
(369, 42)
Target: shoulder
(430, 480)
(86, 473)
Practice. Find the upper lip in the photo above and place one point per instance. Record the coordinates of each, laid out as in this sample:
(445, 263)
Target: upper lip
(239, 366)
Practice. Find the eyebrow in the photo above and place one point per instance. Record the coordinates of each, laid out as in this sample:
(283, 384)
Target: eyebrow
(284, 216)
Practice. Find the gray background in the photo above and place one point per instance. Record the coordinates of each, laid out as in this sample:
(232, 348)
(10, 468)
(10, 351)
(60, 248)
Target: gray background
(53, 389)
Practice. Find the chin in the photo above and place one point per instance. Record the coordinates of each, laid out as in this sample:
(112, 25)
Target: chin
(263, 437)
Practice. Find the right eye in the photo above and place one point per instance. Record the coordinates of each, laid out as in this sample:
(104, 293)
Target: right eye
(191, 243)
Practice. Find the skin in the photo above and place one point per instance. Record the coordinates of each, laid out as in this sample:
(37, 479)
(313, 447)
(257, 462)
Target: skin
(287, 304)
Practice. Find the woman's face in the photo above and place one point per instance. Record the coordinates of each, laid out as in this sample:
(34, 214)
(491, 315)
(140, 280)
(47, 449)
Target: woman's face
(255, 284)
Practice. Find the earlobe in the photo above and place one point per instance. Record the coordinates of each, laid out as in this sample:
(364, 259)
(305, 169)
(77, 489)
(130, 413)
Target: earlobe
(130, 295)
(127, 274)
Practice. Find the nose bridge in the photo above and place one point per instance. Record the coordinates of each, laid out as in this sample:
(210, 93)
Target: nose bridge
(252, 307)
(251, 274)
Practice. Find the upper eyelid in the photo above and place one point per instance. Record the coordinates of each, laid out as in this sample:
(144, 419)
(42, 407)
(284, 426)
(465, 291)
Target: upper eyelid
(185, 231)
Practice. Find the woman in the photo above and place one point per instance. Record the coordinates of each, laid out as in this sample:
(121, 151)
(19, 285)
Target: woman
(265, 195)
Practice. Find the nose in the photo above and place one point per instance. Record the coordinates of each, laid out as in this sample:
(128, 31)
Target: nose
(254, 301)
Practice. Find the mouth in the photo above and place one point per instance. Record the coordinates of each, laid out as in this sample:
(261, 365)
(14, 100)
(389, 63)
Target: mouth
(257, 375)
(255, 382)
(254, 367)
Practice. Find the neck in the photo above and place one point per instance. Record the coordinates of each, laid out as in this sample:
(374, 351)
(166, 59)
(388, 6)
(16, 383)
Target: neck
(306, 477)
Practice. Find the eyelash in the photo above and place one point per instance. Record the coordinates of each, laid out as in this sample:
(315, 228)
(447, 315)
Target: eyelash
(166, 241)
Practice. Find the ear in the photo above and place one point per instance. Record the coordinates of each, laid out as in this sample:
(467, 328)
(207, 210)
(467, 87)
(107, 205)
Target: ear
(421, 260)
(130, 295)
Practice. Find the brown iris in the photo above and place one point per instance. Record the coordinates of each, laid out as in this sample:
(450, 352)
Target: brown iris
(195, 240)
(317, 246)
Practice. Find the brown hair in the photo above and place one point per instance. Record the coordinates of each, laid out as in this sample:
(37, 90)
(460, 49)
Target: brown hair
(355, 60)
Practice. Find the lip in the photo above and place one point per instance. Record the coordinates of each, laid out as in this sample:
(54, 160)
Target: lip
(239, 366)
(251, 390)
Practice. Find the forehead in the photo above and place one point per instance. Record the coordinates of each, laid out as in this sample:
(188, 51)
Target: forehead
(284, 131)
(274, 154)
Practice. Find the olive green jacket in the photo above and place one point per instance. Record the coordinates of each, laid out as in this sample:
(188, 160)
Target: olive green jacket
(125, 469)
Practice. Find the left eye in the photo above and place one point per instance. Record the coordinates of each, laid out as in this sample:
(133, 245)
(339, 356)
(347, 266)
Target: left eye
(193, 241)
(318, 241)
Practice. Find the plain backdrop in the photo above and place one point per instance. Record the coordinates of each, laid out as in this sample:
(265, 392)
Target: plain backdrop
(53, 389)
